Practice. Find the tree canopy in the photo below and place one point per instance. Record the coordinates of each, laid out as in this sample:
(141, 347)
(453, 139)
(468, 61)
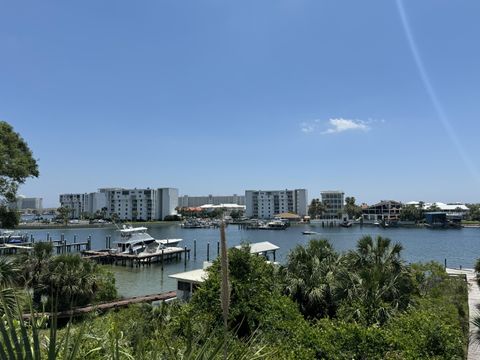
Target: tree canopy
(16, 161)
(16, 165)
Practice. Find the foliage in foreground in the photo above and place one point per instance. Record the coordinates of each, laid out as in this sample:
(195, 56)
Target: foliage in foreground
(427, 313)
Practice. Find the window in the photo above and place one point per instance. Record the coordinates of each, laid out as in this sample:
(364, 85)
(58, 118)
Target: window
(184, 286)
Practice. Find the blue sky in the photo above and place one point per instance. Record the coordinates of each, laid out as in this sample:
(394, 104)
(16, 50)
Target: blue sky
(215, 97)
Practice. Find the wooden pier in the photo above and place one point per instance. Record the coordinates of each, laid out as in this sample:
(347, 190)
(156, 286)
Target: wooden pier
(166, 255)
(117, 304)
(473, 307)
(59, 246)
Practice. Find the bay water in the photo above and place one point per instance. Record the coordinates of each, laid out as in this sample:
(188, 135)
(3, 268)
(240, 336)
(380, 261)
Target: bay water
(459, 247)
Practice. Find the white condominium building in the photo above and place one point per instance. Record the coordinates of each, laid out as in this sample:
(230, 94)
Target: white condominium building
(197, 201)
(265, 204)
(127, 204)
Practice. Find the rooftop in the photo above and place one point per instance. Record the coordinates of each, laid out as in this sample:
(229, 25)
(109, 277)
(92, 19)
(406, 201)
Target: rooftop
(193, 276)
(260, 247)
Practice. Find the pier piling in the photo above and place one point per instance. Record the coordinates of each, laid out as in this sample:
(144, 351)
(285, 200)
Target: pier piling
(208, 251)
(194, 249)
(162, 259)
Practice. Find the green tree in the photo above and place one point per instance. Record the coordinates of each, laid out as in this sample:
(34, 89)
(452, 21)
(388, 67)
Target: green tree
(115, 218)
(433, 208)
(65, 280)
(412, 213)
(236, 214)
(310, 278)
(473, 212)
(16, 162)
(378, 283)
(316, 209)
(9, 218)
(252, 289)
(352, 209)
(64, 214)
(16, 165)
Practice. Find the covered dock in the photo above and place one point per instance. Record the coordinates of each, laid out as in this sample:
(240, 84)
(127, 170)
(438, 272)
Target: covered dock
(188, 281)
(262, 248)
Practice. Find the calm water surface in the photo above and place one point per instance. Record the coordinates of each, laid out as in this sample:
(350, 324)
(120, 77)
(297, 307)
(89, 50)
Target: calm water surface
(459, 247)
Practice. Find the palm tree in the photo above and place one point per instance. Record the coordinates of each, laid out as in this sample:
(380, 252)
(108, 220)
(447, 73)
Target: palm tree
(8, 277)
(8, 272)
(69, 281)
(310, 278)
(379, 282)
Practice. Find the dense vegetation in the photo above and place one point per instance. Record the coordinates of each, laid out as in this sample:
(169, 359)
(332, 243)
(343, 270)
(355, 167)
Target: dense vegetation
(16, 165)
(363, 304)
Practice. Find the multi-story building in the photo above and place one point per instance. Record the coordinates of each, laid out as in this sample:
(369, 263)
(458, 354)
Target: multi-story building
(265, 204)
(167, 202)
(127, 204)
(95, 201)
(385, 210)
(29, 203)
(334, 202)
(197, 201)
(75, 202)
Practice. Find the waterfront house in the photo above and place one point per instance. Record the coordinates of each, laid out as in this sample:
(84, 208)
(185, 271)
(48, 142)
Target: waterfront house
(385, 210)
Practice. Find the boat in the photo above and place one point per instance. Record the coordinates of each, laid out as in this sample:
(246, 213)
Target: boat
(274, 225)
(346, 224)
(12, 237)
(307, 232)
(136, 240)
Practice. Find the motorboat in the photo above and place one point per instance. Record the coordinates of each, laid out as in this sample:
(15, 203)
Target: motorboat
(12, 237)
(136, 240)
(307, 232)
(274, 225)
(346, 224)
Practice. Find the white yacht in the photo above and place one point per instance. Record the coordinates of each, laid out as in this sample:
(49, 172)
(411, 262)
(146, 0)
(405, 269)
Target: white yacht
(136, 240)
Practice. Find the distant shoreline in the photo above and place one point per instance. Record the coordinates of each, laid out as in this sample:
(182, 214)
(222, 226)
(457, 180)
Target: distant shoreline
(89, 226)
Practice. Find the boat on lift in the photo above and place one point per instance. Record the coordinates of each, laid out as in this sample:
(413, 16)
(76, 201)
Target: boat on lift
(136, 240)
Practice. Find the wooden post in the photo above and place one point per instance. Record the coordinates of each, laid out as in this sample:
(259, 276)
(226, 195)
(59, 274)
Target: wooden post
(106, 242)
(274, 251)
(162, 259)
(74, 238)
(48, 236)
(194, 249)
(89, 243)
(185, 257)
(445, 263)
(218, 248)
(208, 251)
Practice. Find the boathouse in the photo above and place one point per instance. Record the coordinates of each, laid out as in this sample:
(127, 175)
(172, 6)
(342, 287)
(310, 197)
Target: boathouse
(189, 281)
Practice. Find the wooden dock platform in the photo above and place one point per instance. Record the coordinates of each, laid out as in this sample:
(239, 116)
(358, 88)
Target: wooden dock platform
(473, 308)
(108, 257)
(110, 305)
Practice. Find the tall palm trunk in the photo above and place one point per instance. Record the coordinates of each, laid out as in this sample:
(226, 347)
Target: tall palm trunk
(225, 289)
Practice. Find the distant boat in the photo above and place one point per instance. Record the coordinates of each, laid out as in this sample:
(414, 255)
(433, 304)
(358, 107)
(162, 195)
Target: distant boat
(307, 232)
(346, 224)
(274, 225)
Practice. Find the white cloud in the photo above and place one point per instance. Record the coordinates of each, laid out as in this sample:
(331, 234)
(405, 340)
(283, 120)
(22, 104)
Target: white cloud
(338, 125)
(309, 127)
(341, 125)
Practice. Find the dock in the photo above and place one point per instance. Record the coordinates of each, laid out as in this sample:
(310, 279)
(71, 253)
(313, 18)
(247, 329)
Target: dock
(117, 304)
(473, 308)
(166, 255)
